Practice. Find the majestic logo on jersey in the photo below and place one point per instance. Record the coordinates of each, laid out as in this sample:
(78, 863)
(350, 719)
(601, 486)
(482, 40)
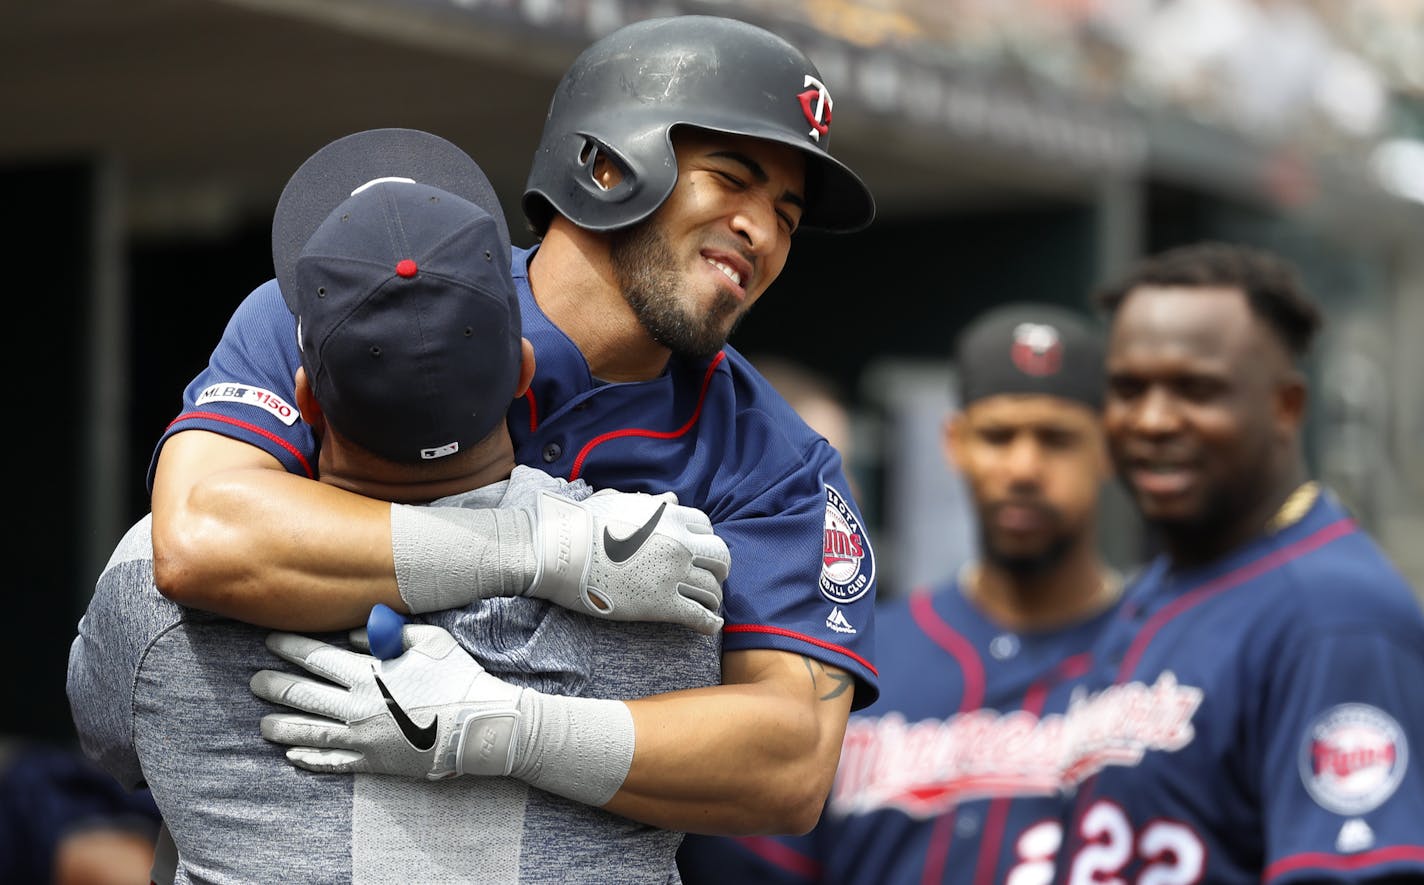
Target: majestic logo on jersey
(838, 622)
(1353, 758)
(266, 400)
(928, 767)
(1355, 835)
(1037, 349)
(847, 564)
(816, 105)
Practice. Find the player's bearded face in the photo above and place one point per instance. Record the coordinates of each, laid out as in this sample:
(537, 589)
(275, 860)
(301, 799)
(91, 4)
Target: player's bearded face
(1034, 464)
(1019, 555)
(693, 269)
(646, 268)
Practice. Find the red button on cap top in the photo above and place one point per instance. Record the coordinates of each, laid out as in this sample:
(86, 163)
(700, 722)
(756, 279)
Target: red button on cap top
(406, 268)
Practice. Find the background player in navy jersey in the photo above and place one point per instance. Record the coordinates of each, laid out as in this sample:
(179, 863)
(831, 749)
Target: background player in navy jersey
(666, 188)
(953, 774)
(1256, 710)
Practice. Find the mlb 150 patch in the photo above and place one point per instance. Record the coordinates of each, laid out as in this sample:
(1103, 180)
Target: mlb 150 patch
(246, 394)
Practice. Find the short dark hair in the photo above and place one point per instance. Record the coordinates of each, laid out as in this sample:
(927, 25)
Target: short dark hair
(1272, 287)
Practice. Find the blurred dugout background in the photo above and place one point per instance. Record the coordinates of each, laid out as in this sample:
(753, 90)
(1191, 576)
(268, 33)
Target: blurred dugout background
(1018, 149)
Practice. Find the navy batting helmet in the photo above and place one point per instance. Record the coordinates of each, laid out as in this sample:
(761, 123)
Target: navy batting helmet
(624, 94)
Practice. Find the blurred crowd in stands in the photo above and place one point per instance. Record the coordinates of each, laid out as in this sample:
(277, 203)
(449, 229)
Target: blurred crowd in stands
(1341, 74)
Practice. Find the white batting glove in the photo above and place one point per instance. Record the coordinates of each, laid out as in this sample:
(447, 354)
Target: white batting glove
(630, 557)
(433, 712)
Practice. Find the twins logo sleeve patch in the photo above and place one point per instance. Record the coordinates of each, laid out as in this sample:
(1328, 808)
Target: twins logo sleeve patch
(1353, 758)
(246, 394)
(847, 564)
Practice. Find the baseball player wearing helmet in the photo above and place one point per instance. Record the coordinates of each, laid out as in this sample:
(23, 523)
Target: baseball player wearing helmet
(1254, 708)
(665, 216)
(953, 774)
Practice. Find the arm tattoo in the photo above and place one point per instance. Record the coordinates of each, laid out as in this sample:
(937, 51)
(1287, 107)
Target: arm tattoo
(843, 681)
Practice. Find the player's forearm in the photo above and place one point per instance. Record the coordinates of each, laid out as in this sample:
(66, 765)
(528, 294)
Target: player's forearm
(748, 757)
(273, 549)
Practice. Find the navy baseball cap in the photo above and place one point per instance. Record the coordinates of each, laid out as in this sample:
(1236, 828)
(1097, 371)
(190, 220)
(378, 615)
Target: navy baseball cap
(334, 173)
(1027, 348)
(407, 316)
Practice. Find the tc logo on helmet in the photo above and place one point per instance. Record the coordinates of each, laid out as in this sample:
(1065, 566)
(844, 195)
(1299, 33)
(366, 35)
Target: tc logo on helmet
(1037, 349)
(816, 105)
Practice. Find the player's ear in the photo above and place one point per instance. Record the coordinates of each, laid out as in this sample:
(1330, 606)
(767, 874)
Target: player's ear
(1292, 396)
(606, 171)
(1105, 465)
(1098, 442)
(307, 404)
(526, 367)
(952, 440)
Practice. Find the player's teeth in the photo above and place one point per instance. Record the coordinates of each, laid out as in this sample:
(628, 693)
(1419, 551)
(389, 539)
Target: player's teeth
(731, 274)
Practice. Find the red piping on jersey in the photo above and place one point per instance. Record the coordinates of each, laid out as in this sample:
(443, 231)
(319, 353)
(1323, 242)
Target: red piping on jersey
(781, 857)
(1074, 666)
(777, 631)
(213, 416)
(941, 838)
(1233, 578)
(533, 409)
(651, 434)
(997, 817)
(947, 638)
(1070, 668)
(1323, 861)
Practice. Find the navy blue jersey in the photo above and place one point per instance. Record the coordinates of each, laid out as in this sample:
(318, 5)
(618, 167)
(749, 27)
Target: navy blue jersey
(715, 433)
(1252, 719)
(953, 775)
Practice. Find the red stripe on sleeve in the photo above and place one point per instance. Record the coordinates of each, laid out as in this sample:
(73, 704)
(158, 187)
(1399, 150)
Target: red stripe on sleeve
(1323, 861)
(781, 856)
(778, 631)
(224, 419)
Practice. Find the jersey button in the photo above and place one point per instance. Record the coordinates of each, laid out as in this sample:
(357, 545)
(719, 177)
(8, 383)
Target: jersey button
(966, 824)
(1004, 646)
(552, 452)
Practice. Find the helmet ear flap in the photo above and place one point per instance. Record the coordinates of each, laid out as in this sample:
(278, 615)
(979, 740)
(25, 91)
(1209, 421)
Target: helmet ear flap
(589, 153)
(602, 174)
(588, 180)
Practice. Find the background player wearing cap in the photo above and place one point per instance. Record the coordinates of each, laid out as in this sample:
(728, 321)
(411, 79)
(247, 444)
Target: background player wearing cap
(411, 352)
(1255, 703)
(951, 775)
(678, 157)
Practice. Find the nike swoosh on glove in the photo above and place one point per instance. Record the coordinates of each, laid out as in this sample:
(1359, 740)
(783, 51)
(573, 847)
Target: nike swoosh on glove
(433, 712)
(627, 556)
